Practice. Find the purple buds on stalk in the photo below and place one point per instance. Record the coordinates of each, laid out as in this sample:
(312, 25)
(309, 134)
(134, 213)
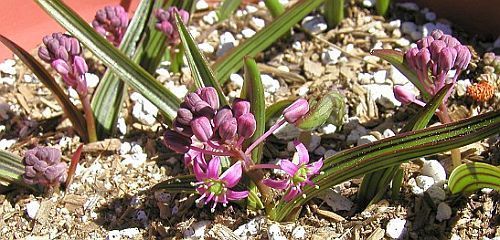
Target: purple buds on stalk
(111, 22)
(63, 53)
(202, 128)
(296, 110)
(166, 23)
(240, 107)
(246, 125)
(43, 166)
(228, 128)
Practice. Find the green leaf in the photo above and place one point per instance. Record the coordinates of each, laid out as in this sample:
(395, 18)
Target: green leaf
(119, 63)
(392, 151)
(382, 6)
(228, 7)
(396, 58)
(329, 107)
(334, 12)
(470, 177)
(200, 70)
(74, 115)
(12, 170)
(181, 184)
(275, 7)
(108, 96)
(253, 200)
(233, 60)
(275, 109)
(253, 91)
(375, 184)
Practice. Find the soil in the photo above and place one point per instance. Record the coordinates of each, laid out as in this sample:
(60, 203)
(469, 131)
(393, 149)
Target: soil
(110, 198)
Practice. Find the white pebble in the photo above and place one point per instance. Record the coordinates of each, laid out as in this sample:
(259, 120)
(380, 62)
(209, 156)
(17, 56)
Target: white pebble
(247, 33)
(388, 133)
(383, 95)
(436, 193)
(303, 90)
(380, 76)
(249, 229)
(424, 182)
(125, 148)
(135, 160)
(336, 201)
(364, 78)
(179, 91)
(297, 45)
(129, 232)
(409, 6)
(258, 22)
(210, 18)
(394, 24)
(270, 84)
(92, 80)
(227, 42)
(122, 126)
(299, 233)
(397, 77)
(314, 24)
(395, 228)
(114, 235)
(7, 80)
(368, 3)
(206, 47)
(196, 230)
(408, 27)
(201, 5)
(443, 212)
(366, 139)
(32, 209)
(8, 67)
(330, 56)
(274, 232)
(6, 144)
(328, 128)
(403, 42)
(414, 188)
(434, 169)
(251, 9)
(462, 86)
(284, 68)
(236, 79)
(430, 16)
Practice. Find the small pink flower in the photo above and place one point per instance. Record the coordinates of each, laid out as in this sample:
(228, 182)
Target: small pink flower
(299, 174)
(212, 186)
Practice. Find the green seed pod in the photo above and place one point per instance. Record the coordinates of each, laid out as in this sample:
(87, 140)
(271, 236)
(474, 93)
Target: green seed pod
(329, 108)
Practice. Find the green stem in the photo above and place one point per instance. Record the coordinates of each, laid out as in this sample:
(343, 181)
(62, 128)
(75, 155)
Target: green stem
(275, 7)
(176, 55)
(89, 118)
(382, 6)
(444, 117)
(334, 12)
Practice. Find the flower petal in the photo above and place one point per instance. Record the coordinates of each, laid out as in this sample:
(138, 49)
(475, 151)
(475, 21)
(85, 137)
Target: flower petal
(213, 169)
(236, 195)
(277, 184)
(291, 194)
(198, 172)
(232, 175)
(288, 167)
(302, 151)
(313, 168)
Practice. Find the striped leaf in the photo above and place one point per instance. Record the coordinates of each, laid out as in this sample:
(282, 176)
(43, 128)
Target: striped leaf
(470, 177)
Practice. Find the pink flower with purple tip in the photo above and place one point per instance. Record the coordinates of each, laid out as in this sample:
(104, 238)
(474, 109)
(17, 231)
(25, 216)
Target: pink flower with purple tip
(299, 174)
(215, 187)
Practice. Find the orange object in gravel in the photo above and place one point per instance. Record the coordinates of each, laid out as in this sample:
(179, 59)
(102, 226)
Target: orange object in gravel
(481, 92)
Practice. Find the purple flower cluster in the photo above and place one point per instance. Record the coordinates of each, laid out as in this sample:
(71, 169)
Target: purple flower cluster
(63, 53)
(43, 166)
(204, 131)
(111, 22)
(166, 23)
(432, 59)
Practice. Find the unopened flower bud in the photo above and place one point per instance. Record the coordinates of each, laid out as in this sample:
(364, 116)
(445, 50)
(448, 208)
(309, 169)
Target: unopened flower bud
(43, 53)
(209, 95)
(176, 141)
(446, 59)
(222, 115)
(296, 110)
(411, 56)
(61, 67)
(437, 34)
(422, 59)
(246, 125)
(425, 42)
(182, 129)
(403, 95)
(43, 166)
(463, 57)
(450, 41)
(435, 49)
(202, 128)
(74, 47)
(80, 65)
(240, 107)
(184, 116)
(203, 109)
(165, 27)
(228, 128)
(191, 99)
